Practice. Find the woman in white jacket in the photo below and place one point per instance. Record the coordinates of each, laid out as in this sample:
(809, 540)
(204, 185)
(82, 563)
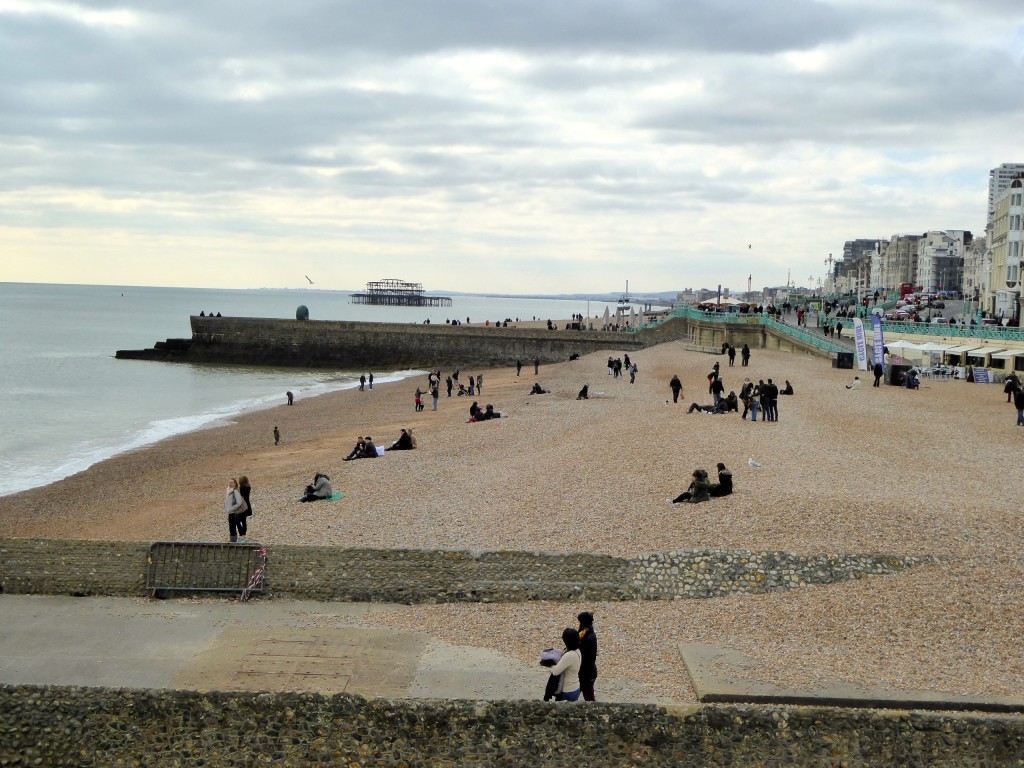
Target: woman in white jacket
(234, 505)
(569, 666)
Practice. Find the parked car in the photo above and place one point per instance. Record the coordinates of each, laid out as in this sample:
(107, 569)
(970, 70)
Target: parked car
(938, 304)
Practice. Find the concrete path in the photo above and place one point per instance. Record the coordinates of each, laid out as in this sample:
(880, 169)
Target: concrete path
(215, 644)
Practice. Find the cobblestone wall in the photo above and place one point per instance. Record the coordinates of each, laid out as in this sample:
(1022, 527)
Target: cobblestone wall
(85, 727)
(58, 566)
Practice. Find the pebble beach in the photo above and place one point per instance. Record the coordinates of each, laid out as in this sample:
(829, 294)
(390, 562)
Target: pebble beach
(928, 472)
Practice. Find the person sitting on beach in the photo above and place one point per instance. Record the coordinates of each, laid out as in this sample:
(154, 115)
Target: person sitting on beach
(911, 379)
(474, 411)
(699, 490)
(320, 489)
(732, 402)
(788, 389)
(724, 485)
(403, 443)
(584, 393)
(369, 450)
(855, 384)
(538, 390)
(356, 450)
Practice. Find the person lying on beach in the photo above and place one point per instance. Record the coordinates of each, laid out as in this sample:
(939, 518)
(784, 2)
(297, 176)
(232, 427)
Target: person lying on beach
(722, 407)
(539, 390)
(403, 443)
(699, 490)
(320, 489)
(584, 393)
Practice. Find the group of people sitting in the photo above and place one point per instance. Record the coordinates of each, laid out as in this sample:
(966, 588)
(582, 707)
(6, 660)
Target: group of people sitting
(702, 489)
(476, 413)
(366, 449)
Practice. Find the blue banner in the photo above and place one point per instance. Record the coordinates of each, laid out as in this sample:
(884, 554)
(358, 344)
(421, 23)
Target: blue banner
(858, 338)
(878, 339)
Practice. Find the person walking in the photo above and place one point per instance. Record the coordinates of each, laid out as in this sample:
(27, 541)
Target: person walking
(519, 366)
(745, 354)
(588, 652)
(362, 382)
(677, 387)
(277, 436)
(878, 370)
(1018, 403)
(732, 355)
(632, 373)
(448, 383)
(434, 395)
(536, 366)
(370, 378)
(234, 506)
(479, 383)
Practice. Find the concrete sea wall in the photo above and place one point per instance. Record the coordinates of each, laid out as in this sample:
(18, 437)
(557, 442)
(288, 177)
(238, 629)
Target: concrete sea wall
(85, 727)
(381, 346)
(69, 567)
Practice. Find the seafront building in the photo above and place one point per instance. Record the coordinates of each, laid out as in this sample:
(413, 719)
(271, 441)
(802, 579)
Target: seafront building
(1004, 294)
(984, 269)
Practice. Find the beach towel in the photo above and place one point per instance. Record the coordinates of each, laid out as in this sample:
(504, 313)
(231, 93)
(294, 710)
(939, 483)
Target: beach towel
(335, 496)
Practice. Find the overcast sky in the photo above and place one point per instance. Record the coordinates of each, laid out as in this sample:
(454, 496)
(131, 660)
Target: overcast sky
(538, 147)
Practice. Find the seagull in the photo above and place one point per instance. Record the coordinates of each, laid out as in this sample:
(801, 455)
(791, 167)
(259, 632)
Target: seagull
(753, 463)
(310, 281)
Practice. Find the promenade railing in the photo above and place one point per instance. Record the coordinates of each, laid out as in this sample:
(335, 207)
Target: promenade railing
(988, 332)
(814, 339)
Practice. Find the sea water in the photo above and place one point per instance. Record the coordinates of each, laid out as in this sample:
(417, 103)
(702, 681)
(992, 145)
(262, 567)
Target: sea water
(68, 403)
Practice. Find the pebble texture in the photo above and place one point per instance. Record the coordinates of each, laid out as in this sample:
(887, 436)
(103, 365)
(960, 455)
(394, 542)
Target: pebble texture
(86, 727)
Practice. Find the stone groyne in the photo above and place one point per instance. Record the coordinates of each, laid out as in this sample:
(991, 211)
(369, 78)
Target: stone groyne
(118, 569)
(83, 727)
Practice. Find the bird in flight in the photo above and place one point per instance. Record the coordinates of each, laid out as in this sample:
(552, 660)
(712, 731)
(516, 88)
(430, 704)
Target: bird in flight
(310, 281)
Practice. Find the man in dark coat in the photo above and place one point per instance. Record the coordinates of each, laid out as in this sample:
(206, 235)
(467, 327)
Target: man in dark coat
(676, 386)
(588, 653)
(745, 354)
(878, 370)
(724, 485)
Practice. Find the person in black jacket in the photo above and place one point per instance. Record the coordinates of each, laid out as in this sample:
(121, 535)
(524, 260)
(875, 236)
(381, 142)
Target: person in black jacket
(878, 370)
(724, 485)
(588, 651)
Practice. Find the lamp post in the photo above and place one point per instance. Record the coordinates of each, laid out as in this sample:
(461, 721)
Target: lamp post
(828, 275)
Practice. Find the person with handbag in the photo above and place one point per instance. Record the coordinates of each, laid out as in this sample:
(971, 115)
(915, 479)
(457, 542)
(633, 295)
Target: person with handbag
(568, 667)
(234, 505)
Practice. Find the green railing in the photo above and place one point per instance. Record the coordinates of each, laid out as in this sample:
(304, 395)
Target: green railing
(991, 332)
(814, 339)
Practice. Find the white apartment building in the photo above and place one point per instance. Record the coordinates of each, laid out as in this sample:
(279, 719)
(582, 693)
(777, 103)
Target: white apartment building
(977, 266)
(939, 259)
(1004, 294)
(899, 262)
(998, 180)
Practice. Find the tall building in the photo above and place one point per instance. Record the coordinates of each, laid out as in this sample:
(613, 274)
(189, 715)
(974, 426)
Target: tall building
(1004, 294)
(853, 273)
(998, 180)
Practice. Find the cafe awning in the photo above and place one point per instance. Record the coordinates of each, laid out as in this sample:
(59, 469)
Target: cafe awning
(961, 349)
(1007, 354)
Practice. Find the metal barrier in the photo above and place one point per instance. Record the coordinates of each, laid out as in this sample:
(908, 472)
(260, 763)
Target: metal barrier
(205, 567)
(814, 339)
